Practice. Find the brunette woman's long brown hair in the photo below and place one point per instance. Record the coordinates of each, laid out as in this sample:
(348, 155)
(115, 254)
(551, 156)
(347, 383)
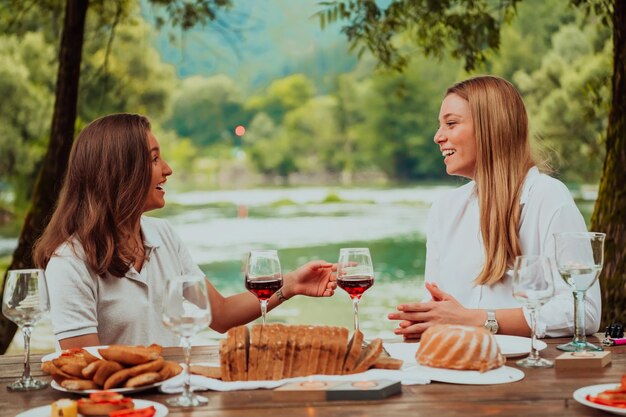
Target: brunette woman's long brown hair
(502, 162)
(103, 195)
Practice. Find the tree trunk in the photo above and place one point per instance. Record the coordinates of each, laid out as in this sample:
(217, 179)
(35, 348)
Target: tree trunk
(609, 215)
(53, 169)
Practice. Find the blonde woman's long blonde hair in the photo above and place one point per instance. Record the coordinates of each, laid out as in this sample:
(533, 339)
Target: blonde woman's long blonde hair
(502, 162)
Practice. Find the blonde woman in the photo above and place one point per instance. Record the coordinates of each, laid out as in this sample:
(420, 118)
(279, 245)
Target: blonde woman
(107, 263)
(475, 232)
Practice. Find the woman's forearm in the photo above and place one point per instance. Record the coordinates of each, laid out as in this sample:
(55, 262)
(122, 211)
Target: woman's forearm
(510, 321)
(80, 341)
(242, 308)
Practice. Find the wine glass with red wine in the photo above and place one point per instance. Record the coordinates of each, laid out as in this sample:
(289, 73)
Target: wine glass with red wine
(263, 276)
(355, 274)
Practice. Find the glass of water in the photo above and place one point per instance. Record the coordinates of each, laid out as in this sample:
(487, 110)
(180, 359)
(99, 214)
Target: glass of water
(186, 311)
(25, 302)
(533, 286)
(579, 259)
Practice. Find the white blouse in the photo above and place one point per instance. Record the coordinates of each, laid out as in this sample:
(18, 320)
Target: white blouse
(455, 253)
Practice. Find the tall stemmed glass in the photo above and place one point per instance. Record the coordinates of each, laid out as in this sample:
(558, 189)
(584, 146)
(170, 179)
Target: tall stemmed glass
(533, 286)
(25, 302)
(186, 311)
(355, 274)
(263, 276)
(579, 259)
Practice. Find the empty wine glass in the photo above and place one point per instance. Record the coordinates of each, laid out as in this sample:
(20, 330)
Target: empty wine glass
(355, 274)
(263, 276)
(186, 311)
(533, 286)
(25, 302)
(579, 259)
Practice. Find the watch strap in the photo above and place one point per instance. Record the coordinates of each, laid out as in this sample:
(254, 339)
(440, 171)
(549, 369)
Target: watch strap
(280, 296)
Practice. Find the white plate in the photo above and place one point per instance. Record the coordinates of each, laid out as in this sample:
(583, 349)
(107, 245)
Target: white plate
(501, 375)
(91, 349)
(581, 393)
(58, 387)
(94, 351)
(161, 410)
(512, 346)
(406, 352)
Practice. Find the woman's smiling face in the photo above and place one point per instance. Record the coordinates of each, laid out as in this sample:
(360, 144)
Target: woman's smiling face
(160, 171)
(456, 136)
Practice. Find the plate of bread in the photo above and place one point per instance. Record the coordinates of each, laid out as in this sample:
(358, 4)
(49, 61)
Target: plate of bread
(456, 354)
(274, 352)
(117, 368)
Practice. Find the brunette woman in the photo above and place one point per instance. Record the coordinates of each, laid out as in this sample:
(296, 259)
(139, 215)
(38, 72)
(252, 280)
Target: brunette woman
(106, 262)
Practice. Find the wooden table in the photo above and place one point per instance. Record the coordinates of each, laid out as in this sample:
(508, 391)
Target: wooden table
(544, 392)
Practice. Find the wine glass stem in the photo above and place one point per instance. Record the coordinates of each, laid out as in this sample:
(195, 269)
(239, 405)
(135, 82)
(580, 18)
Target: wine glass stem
(187, 393)
(579, 316)
(26, 330)
(355, 303)
(534, 354)
(263, 310)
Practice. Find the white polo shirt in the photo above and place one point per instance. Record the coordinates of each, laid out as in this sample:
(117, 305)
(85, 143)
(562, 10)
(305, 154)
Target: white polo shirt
(123, 310)
(455, 252)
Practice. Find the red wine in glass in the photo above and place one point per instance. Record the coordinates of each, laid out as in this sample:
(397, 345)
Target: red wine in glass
(355, 285)
(355, 274)
(262, 276)
(263, 287)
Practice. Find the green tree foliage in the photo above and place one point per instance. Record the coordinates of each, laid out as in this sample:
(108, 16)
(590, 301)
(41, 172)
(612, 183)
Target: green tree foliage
(123, 73)
(266, 148)
(26, 79)
(569, 97)
(311, 130)
(282, 95)
(349, 154)
(465, 28)
(130, 76)
(401, 119)
(323, 65)
(305, 143)
(528, 38)
(75, 15)
(207, 110)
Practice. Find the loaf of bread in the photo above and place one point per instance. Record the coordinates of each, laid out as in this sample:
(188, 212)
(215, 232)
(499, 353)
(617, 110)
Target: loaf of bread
(459, 347)
(277, 351)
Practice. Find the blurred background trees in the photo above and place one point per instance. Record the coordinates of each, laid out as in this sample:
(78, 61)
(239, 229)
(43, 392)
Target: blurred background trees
(309, 119)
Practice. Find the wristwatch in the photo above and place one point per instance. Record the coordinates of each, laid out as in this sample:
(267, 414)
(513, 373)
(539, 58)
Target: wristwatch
(491, 323)
(280, 296)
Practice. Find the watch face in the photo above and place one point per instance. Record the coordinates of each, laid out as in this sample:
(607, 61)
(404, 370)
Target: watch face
(492, 326)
